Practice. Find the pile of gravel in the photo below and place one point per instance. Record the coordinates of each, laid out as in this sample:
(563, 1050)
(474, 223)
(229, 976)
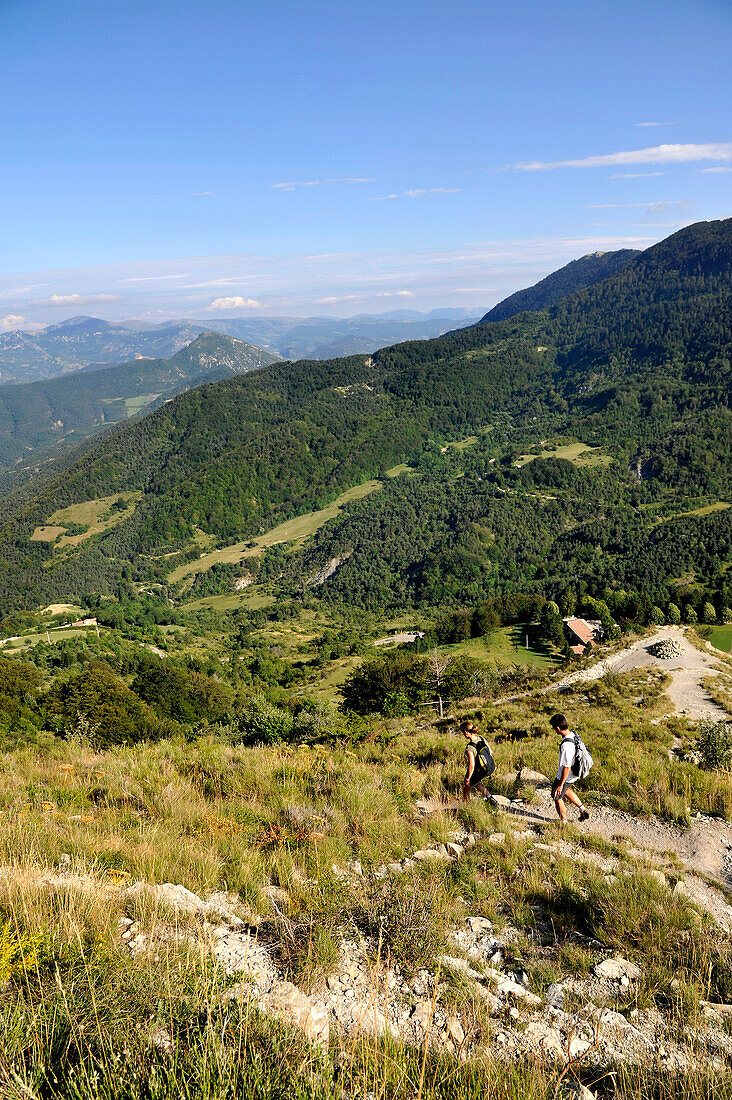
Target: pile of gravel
(666, 649)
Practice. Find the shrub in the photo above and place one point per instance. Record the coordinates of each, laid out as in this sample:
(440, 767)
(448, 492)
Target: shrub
(673, 614)
(113, 711)
(714, 743)
(408, 913)
(262, 721)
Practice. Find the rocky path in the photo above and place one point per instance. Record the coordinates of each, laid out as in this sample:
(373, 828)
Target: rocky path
(703, 849)
(687, 671)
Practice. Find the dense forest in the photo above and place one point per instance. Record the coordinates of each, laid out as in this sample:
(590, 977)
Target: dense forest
(43, 414)
(573, 277)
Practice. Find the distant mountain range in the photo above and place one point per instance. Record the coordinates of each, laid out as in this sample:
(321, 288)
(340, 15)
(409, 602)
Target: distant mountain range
(574, 276)
(91, 343)
(638, 364)
(40, 415)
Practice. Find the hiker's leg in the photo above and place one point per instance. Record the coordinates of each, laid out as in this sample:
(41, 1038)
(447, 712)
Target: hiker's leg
(572, 797)
(558, 796)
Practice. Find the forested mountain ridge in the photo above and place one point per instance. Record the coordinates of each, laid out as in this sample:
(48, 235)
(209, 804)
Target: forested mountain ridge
(43, 414)
(640, 363)
(573, 277)
(87, 342)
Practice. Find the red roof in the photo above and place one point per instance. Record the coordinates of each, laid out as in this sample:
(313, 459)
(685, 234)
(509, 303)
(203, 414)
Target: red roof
(581, 630)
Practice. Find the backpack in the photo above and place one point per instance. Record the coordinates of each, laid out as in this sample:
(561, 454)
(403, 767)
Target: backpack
(582, 758)
(484, 756)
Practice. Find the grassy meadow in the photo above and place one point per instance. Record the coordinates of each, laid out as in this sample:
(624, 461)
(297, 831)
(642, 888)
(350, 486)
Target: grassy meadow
(78, 825)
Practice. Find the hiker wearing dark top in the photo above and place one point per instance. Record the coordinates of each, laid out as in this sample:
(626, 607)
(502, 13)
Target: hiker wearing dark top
(479, 761)
(562, 786)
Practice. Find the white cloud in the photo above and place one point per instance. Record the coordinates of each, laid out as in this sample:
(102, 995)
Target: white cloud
(61, 301)
(199, 195)
(292, 184)
(13, 320)
(418, 192)
(641, 124)
(635, 175)
(232, 303)
(155, 278)
(650, 207)
(719, 168)
(657, 154)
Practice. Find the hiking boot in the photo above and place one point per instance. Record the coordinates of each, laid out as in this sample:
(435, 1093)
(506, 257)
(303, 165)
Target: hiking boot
(584, 814)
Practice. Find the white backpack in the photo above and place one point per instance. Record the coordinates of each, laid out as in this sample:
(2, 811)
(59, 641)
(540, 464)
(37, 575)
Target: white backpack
(582, 757)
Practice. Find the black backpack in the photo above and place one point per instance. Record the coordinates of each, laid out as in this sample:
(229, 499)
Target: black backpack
(484, 756)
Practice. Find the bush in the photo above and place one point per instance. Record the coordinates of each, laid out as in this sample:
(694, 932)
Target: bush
(262, 721)
(99, 704)
(408, 912)
(714, 743)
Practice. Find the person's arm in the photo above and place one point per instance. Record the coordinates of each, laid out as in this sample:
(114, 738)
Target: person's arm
(563, 777)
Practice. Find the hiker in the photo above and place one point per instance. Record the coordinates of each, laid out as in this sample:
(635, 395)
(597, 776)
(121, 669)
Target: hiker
(479, 758)
(569, 771)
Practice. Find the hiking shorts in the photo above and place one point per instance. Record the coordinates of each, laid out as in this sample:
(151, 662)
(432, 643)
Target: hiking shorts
(568, 783)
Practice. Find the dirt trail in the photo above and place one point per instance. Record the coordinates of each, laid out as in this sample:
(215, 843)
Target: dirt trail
(686, 691)
(703, 850)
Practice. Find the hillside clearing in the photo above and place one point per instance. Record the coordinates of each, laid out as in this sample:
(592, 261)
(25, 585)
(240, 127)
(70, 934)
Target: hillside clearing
(96, 516)
(581, 454)
(294, 530)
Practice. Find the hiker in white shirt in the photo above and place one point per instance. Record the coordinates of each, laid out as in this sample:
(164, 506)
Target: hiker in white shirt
(561, 787)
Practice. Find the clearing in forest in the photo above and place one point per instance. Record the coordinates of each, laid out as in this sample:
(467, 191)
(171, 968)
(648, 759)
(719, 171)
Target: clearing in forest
(579, 453)
(292, 530)
(94, 516)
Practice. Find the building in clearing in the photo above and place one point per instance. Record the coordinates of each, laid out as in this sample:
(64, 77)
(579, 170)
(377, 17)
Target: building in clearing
(582, 632)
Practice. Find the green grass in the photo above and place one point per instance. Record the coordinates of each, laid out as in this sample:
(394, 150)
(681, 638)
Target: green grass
(294, 530)
(506, 646)
(229, 602)
(721, 637)
(706, 510)
(27, 641)
(579, 453)
(95, 515)
(135, 404)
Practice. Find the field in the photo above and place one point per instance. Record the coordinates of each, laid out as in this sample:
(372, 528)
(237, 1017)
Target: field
(721, 637)
(95, 516)
(506, 646)
(579, 453)
(293, 530)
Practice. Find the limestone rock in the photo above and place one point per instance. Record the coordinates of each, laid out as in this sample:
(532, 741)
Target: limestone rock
(510, 988)
(617, 968)
(161, 1041)
(430, 853)
(455, 1030)
(548, 1038)
(536, 779)
(554, 995)
(305, 1013)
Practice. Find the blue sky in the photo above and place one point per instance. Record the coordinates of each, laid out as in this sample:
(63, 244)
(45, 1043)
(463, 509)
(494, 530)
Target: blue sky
(166, 159)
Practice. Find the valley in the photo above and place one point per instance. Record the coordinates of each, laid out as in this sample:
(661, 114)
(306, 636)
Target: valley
(224, 803)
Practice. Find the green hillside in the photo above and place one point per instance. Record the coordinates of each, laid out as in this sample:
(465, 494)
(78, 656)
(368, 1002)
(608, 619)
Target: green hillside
(638, 365)
(573, 277)
(43, 414)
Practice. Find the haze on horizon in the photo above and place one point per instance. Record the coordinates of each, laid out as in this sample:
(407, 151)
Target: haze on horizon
(180, 160)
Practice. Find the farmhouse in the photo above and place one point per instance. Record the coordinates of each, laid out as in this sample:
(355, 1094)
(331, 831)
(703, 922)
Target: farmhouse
(582, 632)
